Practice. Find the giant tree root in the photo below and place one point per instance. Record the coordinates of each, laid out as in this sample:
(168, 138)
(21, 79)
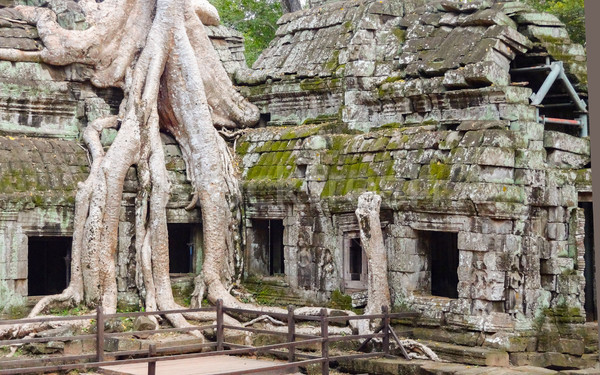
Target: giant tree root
(158, 53)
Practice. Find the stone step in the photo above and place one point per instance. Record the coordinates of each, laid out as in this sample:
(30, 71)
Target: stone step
(437, 368)
(401, 366)
(554, 360)
(469, 355)
(587, 371)
(395, 366)
(275, 292)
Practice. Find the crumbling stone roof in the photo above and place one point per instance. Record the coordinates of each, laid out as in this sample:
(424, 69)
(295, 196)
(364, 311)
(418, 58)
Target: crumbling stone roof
(37, 172)
(479, 167)
(373, 62)
(429, 41)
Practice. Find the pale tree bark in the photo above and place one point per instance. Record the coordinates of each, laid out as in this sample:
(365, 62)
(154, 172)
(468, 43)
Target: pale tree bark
(158, 52)
(371, 238)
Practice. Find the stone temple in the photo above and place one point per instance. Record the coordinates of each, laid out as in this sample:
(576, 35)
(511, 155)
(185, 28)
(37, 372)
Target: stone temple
(469, 118)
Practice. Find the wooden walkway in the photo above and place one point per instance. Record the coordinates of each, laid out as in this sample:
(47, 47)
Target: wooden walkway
(194, 366)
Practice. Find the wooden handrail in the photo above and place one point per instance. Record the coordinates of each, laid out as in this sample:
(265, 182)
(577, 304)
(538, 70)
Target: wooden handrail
(153, 354)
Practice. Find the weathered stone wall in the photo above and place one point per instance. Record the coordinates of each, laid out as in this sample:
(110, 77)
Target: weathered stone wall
(452, 145)
(478, 181)
(38, 180)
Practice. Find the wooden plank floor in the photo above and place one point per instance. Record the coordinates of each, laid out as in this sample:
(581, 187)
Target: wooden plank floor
(192, 366)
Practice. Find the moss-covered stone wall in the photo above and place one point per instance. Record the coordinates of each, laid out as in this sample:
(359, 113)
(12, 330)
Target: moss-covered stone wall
(503, 191)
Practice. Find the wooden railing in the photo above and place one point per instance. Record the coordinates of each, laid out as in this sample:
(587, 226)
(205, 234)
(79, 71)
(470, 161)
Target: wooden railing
(153, 354)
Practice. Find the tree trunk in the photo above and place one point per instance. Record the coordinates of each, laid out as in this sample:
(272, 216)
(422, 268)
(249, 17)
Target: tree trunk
(371, 238)
(159, 54)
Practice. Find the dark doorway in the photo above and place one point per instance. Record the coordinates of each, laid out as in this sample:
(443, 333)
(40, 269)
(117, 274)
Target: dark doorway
(268, 235)
(49, 265)
(355, 259)
(355, 262)
(181, 248)
(276, 264)
(590, 281)
(442, 248)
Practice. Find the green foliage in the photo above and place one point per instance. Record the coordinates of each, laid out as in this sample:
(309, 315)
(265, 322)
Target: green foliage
(570, 12)
(257, 20)
(340, 301)
(70, 311)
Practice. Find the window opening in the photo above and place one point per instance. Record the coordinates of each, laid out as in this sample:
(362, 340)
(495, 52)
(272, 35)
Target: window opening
(264, 120)
(301, 170)
(49, 265)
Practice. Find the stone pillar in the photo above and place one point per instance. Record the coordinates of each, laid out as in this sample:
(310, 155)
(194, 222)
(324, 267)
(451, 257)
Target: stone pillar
(13, 261)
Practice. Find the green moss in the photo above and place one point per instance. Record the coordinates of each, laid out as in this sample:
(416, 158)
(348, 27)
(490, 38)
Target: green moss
(348, 25)
(265, 293)
(383, 156)
(391, 125)
(373, 184)
(583, 176)
(359, 185)
(394, 79)
(37, 200)
(439, 171)
(347, 187)
(20, 180)
(400, 34)
(242, 148)
(300, 132)
(266, 147)
(383, 92)
(313, 84)
(340, 301)
(429, 122)
(354, 170)
(337, 142)
(562, 314)
(182, 292)
(320, 119)
(333, 62)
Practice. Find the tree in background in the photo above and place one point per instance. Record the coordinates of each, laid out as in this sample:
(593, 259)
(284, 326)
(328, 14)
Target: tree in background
(256, 19)
(570, 12)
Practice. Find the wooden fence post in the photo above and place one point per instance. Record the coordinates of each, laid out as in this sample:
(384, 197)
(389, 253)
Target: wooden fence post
(291, 334)
(325, 342)
(99, 333)
(219, 324)
(386, 329)
(152, 364)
